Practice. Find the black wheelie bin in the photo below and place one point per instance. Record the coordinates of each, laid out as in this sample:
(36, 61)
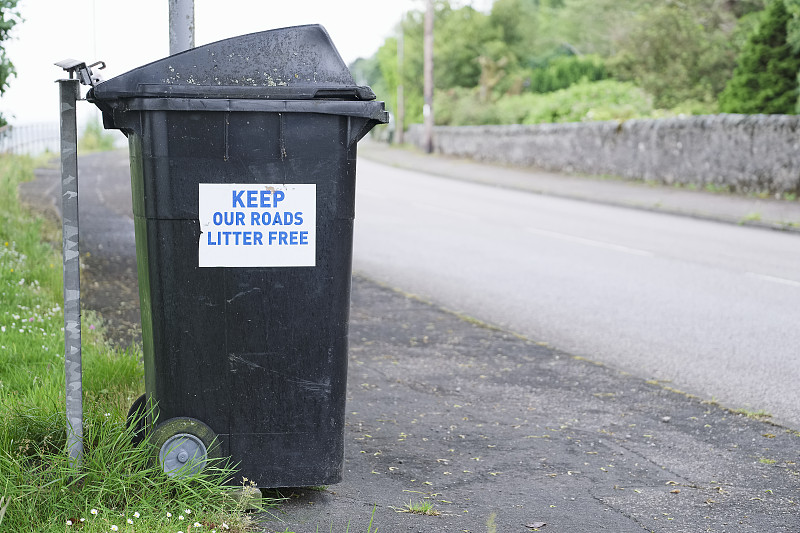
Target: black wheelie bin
(243, 162)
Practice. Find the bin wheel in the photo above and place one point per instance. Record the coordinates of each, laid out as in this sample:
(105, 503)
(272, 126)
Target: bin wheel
(137, 419)
(183, 446)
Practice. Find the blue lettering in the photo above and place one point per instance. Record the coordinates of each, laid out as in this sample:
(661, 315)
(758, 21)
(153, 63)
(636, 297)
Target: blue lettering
(237, 199)
(277, 196)
(298, 218)
(231, 218)
(255, 219)
(252, 198)
(283, 238)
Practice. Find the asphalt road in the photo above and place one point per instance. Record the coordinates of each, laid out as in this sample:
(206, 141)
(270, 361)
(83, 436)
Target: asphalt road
(711, 308)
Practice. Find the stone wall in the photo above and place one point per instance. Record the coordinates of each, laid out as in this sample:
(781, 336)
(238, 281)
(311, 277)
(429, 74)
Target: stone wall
(740, 153)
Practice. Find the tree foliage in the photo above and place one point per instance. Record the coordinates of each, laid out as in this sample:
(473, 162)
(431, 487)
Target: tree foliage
(581, 102)
(678, 54)
(565, 71)
(9, 17)
(765, 80)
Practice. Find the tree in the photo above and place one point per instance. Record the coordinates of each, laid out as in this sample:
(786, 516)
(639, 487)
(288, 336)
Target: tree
(679, 52)
(9, 17)
(519, 26)
(461, 36)
(599, 26)
(682, 52)
(765, 79)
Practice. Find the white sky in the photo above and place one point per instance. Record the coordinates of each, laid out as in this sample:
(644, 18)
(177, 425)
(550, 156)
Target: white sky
(129, 33)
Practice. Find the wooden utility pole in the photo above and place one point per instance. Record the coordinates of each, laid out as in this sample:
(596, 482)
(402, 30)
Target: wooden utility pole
(427, 109)
(181, 25)
(399, 122)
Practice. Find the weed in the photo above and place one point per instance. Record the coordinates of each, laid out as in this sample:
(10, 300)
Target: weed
(750, 217)
(491, 525)
(717, 188)
(756, 415)
(422, 507)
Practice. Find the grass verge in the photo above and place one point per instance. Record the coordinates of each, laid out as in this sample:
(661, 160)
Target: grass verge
(118, 487)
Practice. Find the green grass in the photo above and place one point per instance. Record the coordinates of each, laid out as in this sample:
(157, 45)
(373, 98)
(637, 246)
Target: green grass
(95, 139)
(119, 487)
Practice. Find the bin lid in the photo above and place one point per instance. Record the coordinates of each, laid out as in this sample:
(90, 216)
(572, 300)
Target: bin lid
(293, 63)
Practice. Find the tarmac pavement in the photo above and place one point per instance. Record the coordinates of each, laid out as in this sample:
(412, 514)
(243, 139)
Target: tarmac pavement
(499, 433)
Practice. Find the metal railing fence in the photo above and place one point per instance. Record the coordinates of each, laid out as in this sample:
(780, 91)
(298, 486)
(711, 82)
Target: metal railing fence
(30, 139)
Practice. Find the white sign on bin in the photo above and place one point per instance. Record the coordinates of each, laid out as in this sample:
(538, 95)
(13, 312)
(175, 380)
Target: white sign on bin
(257, 225)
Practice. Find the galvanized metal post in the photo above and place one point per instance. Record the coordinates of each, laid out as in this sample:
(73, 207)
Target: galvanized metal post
(181, 25)
(70, 92)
